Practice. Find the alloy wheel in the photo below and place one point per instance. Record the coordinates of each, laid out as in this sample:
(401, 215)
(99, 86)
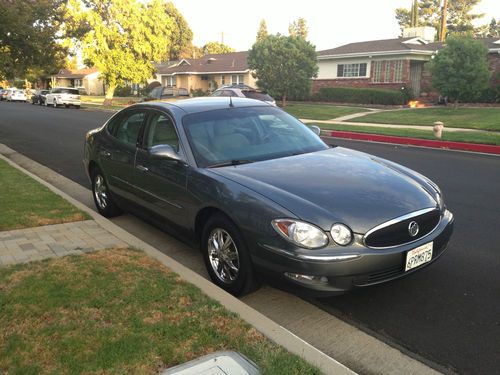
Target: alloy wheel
(223, 255)
(100, 192)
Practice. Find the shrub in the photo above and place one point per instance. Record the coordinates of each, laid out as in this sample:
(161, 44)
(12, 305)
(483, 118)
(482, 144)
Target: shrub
(198, 92)
(123, 91)
(362, 96)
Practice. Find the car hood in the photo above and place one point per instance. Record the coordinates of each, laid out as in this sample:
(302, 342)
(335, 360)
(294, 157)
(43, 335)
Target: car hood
(336, 185)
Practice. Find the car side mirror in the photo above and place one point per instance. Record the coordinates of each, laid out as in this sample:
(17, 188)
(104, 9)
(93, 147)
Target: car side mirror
(165, 152)
(315, 129)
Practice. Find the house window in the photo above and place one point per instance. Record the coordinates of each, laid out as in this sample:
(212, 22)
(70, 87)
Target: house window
(222, 80)
(171, 81)
(351, 70)
(398, 71)
(377, 71)
(237, 79)
(387, 76)
(204, 78)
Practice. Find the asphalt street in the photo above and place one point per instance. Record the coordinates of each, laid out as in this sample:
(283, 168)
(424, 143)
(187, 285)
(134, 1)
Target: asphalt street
(448, 313)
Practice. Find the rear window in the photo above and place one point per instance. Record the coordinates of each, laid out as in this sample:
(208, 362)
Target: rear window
(258, 95)
(70, 91)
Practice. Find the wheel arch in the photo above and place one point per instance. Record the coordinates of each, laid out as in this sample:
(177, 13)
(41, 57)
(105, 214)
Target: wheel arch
(203, 215)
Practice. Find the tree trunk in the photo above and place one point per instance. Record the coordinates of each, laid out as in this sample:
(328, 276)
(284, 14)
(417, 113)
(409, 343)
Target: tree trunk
(283, 100)
(108, 99)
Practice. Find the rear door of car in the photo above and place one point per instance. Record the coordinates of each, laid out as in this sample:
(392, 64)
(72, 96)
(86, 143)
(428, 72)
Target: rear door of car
(118, 149)
(161, 181)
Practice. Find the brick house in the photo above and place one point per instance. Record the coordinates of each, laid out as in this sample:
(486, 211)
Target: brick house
(389, 63)
(206, 73)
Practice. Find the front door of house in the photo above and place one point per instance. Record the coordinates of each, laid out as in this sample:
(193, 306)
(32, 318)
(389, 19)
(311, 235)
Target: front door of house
(416, 77)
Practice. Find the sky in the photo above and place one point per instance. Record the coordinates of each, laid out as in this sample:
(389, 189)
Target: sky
(331, 22)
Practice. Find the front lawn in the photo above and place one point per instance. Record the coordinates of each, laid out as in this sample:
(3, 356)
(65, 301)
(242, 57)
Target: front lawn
(321, 111)
(118, 311)
(473, 118)
(26, 203)
(492, 138)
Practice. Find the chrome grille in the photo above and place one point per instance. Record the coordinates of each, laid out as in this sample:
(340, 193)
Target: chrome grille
(395, 232)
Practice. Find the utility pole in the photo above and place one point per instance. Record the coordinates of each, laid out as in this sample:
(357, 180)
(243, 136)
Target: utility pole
(442, 31)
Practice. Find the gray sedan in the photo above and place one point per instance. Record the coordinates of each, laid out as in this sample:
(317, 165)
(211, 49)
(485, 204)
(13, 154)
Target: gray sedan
(262, 194)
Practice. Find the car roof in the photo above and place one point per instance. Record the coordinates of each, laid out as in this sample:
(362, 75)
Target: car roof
(204, 104)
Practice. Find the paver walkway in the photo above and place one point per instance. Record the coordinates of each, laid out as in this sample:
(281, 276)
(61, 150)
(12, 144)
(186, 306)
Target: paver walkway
(25, 245)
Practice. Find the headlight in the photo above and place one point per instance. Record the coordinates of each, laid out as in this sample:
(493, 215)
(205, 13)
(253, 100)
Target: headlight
(341, 234)
(300, 233)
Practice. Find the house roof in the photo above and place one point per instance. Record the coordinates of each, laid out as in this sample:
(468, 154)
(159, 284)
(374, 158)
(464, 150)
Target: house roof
(384, 45)
(398, 44)
(235, 62)
(75, 73)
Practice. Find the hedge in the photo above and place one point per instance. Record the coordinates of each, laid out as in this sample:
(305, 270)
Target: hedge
(362, 96)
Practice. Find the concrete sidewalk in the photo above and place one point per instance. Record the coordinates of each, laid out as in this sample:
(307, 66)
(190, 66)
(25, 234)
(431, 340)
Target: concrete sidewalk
(49, 241)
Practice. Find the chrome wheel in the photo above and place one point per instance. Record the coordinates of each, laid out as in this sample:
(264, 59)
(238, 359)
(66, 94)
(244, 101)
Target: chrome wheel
(223, 255)
(100, 192)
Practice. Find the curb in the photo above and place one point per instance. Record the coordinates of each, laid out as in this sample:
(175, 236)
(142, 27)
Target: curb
(266, 326)
(461, 146)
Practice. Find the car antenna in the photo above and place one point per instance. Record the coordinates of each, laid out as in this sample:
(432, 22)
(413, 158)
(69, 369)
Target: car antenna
(231, 102)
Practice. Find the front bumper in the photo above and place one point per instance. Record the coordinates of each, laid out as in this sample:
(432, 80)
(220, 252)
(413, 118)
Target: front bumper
(339, 269)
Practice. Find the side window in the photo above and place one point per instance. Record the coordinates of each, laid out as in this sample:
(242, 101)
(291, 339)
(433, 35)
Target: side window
(217, 93)
(128, 129)
(162, 132)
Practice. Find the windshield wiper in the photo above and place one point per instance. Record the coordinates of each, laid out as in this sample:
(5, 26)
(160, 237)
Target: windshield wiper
(231, 162)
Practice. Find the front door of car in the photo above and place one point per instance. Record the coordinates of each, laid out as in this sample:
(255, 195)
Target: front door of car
(161, 181)
(117, 152)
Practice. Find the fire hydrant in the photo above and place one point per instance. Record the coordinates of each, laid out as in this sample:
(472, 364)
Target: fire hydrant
(438, 129)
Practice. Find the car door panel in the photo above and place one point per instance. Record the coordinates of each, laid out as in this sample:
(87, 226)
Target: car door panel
(161, 182)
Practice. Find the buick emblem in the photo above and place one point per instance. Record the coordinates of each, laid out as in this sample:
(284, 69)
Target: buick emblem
(413, 228)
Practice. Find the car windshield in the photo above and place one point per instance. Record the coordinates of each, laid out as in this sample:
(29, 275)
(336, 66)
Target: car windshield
(243, 135)
(258, 95)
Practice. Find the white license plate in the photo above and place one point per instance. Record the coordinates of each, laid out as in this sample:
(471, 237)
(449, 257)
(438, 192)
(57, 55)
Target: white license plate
(419, 256)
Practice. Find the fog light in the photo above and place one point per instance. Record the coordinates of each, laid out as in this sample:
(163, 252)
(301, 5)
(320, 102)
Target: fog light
(307, 279)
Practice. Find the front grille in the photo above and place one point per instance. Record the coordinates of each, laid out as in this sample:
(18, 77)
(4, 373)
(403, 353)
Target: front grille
(396, 233)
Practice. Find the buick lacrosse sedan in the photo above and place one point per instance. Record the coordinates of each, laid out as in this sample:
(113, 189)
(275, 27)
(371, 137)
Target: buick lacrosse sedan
(261, 193)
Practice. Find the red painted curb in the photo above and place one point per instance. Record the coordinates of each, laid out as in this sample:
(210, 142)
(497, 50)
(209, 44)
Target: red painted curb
(488, 149)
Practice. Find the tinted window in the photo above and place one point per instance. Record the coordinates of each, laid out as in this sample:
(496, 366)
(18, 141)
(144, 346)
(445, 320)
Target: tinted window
(70, 91)
(254, 133)
(258, 95)
(217, 93)
(55, 91)
(128, 127)
(162, 132)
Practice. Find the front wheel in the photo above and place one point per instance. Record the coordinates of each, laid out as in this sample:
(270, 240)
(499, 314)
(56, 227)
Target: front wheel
(54, 103)
(102, 197)
(226, 256)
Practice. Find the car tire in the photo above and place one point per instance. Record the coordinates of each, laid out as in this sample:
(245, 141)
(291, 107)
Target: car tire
(66, 106)
(54, 103)
(222, 266)
(77, 106)
(102, 196)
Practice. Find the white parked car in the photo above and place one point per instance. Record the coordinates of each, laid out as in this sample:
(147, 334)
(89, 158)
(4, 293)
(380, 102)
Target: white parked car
(63, 96)
(16, 96)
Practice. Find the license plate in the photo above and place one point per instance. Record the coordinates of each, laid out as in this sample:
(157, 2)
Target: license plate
(419, 256)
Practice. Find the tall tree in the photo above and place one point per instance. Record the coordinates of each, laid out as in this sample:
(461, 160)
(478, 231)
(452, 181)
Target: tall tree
(121, 38)
(216, 48)
(283, 65)
(29, 33)
(460, 15)
(262, 32)
(298, 28)
(414, 14)
(460, 70)
(182, 35)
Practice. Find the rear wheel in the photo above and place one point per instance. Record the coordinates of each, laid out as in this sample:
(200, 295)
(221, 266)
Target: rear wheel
(102, 197)
(226, 256)
(54, 103)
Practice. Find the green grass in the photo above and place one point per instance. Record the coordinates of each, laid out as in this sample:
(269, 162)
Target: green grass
(321, 111)
(492, 138)
(26, 203)
(119, 101)
(118, 311)
(473, 118)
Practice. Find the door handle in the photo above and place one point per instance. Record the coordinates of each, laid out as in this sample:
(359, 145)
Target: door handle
(142, 168)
